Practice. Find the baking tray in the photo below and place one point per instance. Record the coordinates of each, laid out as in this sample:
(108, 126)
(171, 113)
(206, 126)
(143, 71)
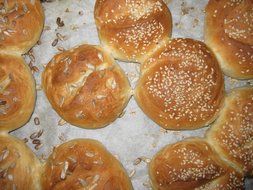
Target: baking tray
(133, 135)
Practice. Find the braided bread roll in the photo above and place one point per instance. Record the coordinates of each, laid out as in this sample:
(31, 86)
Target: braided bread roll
(192, 165)
(232, 133)
(17, 92)
(181, 85)
(86, 87)
(84, 164)
(229, 33)
(21, 23)
(19, 167)
(132, 29)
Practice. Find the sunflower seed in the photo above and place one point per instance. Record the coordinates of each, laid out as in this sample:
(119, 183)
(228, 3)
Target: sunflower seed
(36, 121)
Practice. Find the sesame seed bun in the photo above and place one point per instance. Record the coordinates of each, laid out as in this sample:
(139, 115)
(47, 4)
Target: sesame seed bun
(130, 30)
(229, 33)
(19, 167)
(232, 134)
(21, 25)
(181, 85)
(17, 93)
(192, 165)
(86, 87)
(84, 164)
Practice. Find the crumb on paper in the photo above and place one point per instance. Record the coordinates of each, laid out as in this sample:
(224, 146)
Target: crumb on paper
(185, 9)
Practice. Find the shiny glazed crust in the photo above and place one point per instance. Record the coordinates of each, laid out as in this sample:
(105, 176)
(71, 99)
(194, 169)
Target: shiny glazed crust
(19, 167)
(84, 164)
(192, 165)
(130, 30)
(17, 92)
(229, 33)
(21, 24)
(86, 87)
(232, 133)
(181, 85)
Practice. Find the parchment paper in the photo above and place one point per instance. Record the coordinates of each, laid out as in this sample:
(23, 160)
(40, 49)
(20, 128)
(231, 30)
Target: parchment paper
(132, 136)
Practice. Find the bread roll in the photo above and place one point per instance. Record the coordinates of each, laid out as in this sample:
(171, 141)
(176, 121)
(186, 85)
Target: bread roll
(17, 92)
(229, 33)
(84, 164)
(192, 164)
(86, 87)
(131, 29)
(232, 134)
(181, 85)
(19, 167)
(21, 23)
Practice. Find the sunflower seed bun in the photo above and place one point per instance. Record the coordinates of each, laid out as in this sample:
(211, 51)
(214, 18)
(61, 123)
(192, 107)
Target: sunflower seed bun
(84, 164)
(86, 87)
(21, 23)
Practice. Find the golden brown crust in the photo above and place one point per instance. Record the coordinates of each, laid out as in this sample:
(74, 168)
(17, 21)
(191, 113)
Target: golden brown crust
(21, 23)
(232, 133)
(19, 167)
(86, 87)
(131, 29)
(229, 33)
(84, 164)
(192, 164)
(181, 86)
(17, 92)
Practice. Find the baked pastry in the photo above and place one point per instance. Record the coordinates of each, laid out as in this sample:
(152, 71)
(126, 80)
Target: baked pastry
(84, 164)
(229, 33)
(192, 164)
(19, 167)
(86, 87)
(132, 29)
(21, 23)
(17, 92)
(181, 85)
(232, 133)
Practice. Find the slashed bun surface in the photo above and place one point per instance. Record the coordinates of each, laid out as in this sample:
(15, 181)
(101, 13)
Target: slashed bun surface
(17, 92)
(192, 165)
(229, 33)
(181, 85)
(232, 133)
(84, 164)
(131, 29)
(21, 23)
(19, 167)
(86, 87)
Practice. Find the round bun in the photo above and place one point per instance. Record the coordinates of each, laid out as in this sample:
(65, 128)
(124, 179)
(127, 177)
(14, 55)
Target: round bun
(232, 133)
(181, 85)
(17, 92)
(19, 167)
(86, 87)
(21, 23)
(229, 33)
(192, 165)
(131, 30)
(84, 164)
